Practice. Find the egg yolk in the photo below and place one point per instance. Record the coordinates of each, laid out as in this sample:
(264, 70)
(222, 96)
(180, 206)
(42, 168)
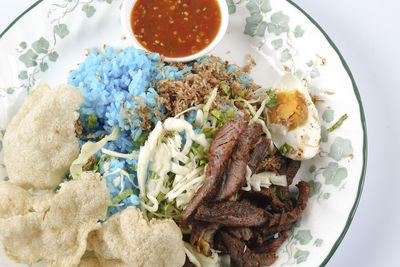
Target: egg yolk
(291, 110)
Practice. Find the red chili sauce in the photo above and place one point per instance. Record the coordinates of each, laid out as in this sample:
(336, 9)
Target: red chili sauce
(175, 28)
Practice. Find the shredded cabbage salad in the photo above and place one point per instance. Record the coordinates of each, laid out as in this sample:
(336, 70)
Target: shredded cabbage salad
(169, 167)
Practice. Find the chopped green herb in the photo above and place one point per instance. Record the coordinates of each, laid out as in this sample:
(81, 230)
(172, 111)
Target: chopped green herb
(242, 93)
(160, 196)
(285, 148)
(201, 153)
(166, 209)
(123, 195)
(198, 151)
(161, 137)
(139, 142)
(217, 114)
(203, 162)
(96, 165)
(230, 113)
(195, 145)
(170, 180)
(223, 117)
(209, 132)
(171, 211)
(226, 89)
(92, 120)
(273, 98)
(338, 123)
(153, 175)
(133, 167)
(278, 193)
(209, 102)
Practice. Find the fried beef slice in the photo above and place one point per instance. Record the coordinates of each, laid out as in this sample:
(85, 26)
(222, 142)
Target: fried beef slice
(275, 199)
(257, 155)
(241, 255)
(290, 169)
(188, 263)
(219, 244)
(267, 199)
(202, 236)
(283, 166)
(233, 213)
(263, 233)
(241, 233)
(293, 215)
(236, 172)
(272, 245)
(220, 150)
(283, 221)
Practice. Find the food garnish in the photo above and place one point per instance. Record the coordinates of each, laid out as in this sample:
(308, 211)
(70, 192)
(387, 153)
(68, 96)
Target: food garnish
(285, 148)
(338, 123)
(273, 98)
(92, 120)
(225, 88)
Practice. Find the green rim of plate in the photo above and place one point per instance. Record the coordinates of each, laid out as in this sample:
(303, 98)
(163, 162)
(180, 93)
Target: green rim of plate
(19, 17)
(362, 115)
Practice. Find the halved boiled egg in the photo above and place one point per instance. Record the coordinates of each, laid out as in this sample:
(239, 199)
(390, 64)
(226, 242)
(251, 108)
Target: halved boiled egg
(294, 122)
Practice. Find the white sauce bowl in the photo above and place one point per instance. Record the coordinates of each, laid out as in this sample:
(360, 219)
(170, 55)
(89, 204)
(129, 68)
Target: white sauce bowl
(126, 11)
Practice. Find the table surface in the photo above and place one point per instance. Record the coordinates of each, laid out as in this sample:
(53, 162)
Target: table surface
(367, 33)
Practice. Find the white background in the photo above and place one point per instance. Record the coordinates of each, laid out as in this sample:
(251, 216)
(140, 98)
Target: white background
(367, 32)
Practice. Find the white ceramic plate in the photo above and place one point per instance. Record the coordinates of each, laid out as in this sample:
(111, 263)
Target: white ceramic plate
(51, 37)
